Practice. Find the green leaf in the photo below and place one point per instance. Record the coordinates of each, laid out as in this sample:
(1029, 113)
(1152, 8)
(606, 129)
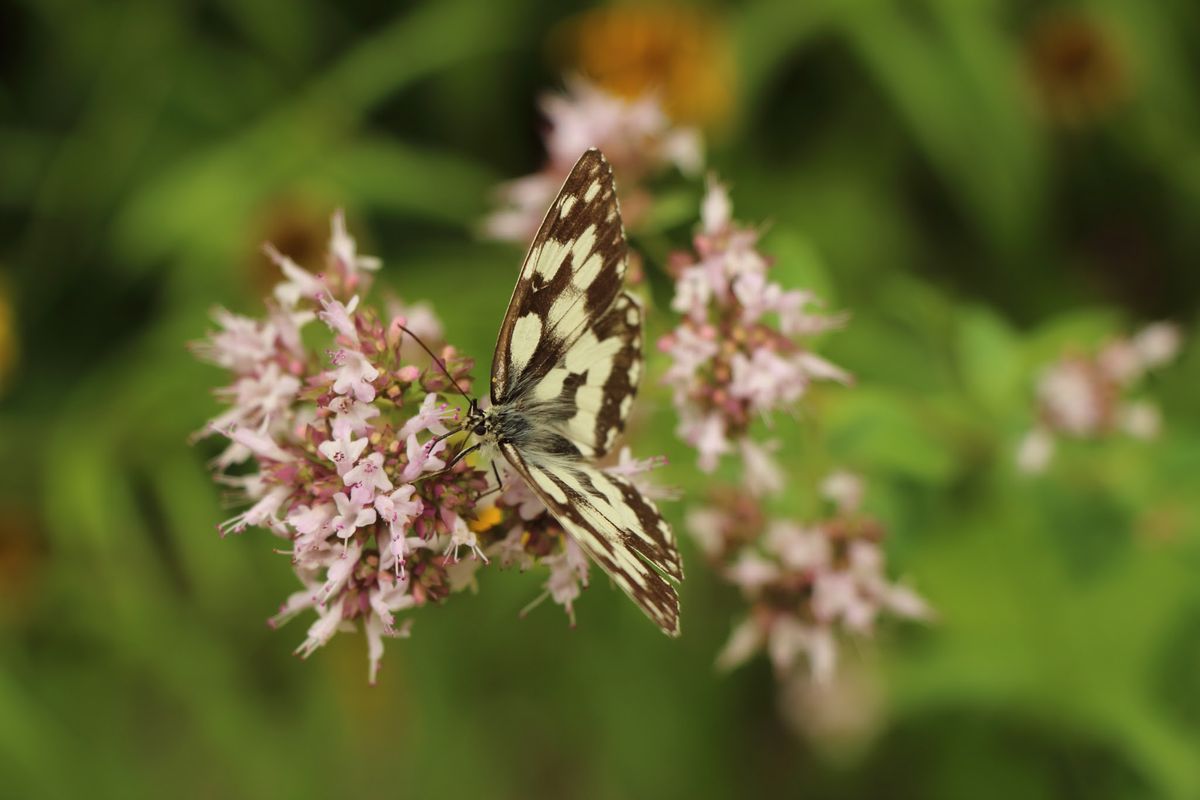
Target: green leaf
(877, 429)
(989, 359)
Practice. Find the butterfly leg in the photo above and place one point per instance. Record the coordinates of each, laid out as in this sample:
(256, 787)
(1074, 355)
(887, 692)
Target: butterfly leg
(461, 455)
(453, 462)
(499, 483)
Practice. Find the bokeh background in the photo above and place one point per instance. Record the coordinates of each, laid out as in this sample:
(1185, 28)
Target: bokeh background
(982, 184)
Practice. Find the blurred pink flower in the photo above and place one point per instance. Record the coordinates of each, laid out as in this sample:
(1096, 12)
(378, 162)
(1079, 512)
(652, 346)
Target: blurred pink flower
(1087, 397)
(636, 136)
(807, 584)
(737, 354)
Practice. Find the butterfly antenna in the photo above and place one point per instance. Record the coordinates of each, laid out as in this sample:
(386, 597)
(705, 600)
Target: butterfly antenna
(439, 363)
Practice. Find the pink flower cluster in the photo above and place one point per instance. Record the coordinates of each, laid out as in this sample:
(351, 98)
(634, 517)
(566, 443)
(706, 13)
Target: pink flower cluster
(1087, 397)
(738, 352)
(339, 454)
(806, 583)
(636, 137)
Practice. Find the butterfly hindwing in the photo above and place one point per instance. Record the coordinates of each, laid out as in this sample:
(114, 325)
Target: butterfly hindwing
(571, 275)
(617, 527)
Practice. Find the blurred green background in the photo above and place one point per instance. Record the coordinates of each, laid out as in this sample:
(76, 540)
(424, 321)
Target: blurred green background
(981, 183)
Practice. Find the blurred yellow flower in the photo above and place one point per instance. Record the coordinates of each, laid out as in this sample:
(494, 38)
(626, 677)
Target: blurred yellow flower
(682, 53)
(487, 519)
(21, 562)
(1077, 67)
(8, 335)
(295, 225)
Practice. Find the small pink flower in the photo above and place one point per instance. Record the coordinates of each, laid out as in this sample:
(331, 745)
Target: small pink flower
(690, 350)
(752, 572)
(354, 374)
(339, 317)
(845, 490)
(1069, 395)
(351, 514)
(763, 475)
(747, 639)
(299, 284)
(418, 318)
(716, 210)
(242, 345)
(389, 597)
(707, 526)
(368, 473)
(1084, 396)
(428, 417)
(510, 551)
(375, 630)
(352, 417)
(568, 575)
(790, 638)
(344, 452)
(421, 459)
(259, 444)
(838, 598)
(321, 631)
(816, 368)
(340, 570)
(311, 520)
(799, 548)
(1158, 344)
(693, 293)
(518, 495)
(462, 536)
(707, 435)
(344, 251)
(1035, 451)
(637, 472)
(258, 399)
(398, 509)
(261, 514)
(1141, 420)
(766, 380)
(313, 527)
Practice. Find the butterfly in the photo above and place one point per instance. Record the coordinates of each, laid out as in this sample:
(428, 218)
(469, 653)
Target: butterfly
(564, 374)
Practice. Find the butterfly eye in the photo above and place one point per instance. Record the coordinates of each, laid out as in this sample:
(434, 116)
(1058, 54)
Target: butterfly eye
(480, 429)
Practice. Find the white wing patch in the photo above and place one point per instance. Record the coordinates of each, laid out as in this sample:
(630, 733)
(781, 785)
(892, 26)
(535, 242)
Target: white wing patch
(526, 334)
(551, 386)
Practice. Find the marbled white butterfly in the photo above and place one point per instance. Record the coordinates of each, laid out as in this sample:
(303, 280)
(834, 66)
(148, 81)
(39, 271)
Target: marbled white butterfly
(564, 374)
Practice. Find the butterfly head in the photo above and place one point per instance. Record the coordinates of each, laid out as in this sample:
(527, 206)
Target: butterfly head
(477, 420)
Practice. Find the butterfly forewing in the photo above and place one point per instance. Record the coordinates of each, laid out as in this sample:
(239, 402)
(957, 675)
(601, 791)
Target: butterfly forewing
(572, 273)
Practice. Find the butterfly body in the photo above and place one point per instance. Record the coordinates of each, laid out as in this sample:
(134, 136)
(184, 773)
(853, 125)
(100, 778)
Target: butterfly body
(564, 374)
